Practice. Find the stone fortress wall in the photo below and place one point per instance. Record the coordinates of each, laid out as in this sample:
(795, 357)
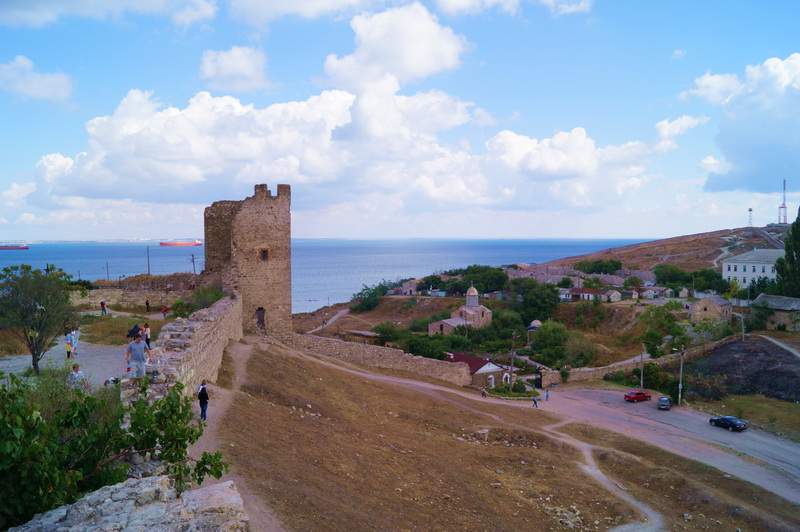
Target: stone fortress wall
(384, 357)
(119, 298)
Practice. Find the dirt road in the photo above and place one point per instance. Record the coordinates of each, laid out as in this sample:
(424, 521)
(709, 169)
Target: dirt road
(756, 456)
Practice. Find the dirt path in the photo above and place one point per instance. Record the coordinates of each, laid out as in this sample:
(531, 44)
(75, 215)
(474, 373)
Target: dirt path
(652, 520)
(262, 518)
(782, 345)
(725, 253)
(339, 314)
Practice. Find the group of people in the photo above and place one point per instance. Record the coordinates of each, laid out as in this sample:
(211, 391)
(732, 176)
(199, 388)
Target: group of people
(71, 338)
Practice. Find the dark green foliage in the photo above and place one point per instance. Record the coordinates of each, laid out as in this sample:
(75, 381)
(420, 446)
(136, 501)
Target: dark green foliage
(533, 300)
(788, 267)
(703, 279)
(579, 351)
(549, 343)
(667, 274)
(564, 372)
(660, 322)
(58, 442)
(369, 297)
(655, 378)
(593, 282)
(565, 282)
(632, 282)
(389, 331)
(35, 306)
(431, 281)
(599, 266)
(518, 386)
(757, 319)
(762, 285)
(202, 297)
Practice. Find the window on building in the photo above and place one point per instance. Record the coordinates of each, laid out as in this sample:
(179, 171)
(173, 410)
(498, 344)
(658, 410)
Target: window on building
(763, 268)
(263, 255)
(773, 269)
(754, 269)
(744, 280)
(734, 267)
(729, 267)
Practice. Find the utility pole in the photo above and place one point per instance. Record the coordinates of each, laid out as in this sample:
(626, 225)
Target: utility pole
(148, 260)
(641, 368)
(680, 378)
(194, 269)
(513, 354)
(108, 276)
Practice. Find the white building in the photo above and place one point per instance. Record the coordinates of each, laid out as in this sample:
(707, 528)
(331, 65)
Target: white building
(750, 266)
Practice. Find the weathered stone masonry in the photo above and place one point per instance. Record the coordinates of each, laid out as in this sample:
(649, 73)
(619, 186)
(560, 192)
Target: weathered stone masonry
(248, 250)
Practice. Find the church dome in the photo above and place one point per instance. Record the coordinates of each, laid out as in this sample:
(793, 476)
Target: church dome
(472, 291)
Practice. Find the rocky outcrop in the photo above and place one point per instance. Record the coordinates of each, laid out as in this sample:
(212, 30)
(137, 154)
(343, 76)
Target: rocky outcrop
(147, 504)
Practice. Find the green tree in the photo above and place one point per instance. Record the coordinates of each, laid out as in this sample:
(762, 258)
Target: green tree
(632, 282)
(788, 266)
(565, 282)
(668, 274)
(599, 266)
(550, 341)
(35, 306)
(533, 300)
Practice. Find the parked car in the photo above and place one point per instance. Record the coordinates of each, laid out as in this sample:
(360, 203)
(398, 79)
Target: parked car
(664, 403)
(731, 423)
(634, 396)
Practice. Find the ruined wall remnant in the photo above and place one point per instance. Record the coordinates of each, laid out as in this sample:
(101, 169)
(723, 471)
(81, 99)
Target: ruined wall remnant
(384, 357)
(248, 248)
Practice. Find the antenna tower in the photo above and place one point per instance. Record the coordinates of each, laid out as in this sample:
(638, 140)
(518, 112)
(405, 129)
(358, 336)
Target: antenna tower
(782, 215)
(750, 217)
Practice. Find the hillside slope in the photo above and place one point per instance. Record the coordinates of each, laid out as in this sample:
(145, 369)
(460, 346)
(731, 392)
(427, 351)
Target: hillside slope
(702, 250)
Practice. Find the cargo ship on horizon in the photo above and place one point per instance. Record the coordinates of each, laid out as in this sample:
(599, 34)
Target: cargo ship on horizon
(13, 246)
(181, 243)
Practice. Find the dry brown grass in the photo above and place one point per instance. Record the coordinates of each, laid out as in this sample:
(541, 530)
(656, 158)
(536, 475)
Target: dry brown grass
(675, 485)
(397, 309)
(616, 337)
(226, 371)
(333, 451)
(10, 344)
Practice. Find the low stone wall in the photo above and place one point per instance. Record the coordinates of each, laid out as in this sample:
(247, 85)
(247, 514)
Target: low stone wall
(589, 374)
(119, 297)
(385, 357)
(147, 504)
(190, 350)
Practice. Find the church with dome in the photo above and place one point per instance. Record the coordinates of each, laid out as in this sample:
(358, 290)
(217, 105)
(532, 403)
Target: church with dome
(471, 314)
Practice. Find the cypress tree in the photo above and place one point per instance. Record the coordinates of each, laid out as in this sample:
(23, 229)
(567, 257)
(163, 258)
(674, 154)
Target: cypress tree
(788, 267)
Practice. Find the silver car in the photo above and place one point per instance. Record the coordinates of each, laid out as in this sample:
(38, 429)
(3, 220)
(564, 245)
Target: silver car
(664, 403)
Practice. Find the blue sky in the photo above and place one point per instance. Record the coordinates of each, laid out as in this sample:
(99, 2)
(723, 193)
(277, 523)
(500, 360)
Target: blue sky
(448, 118)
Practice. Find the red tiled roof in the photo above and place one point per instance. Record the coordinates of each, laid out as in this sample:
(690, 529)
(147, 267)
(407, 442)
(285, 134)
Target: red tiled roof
(474, 363)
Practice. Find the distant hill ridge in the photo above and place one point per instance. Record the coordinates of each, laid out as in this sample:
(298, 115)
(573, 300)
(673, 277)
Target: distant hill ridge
(690, 252)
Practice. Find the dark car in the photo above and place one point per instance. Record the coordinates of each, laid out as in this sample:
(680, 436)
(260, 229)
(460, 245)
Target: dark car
(664, 403)
(729, 422)
(634, 396)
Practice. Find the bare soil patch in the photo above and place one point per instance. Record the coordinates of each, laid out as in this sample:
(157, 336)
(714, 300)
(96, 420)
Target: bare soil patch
(690, 495)
(334, 451)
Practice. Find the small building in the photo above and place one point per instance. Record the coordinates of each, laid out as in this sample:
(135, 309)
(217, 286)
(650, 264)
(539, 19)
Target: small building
(612, 296)
(564, 294)
(471, 314)
(630, 294)
(435, 292)
(751, 266)
(683, 293)
(485, 373)
(712, 307)
(785, 311)
(585, 294)
(409, 288)
(647, 293)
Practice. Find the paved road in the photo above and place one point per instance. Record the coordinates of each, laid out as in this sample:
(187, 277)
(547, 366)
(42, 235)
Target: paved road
(687, 433)
(98, 362)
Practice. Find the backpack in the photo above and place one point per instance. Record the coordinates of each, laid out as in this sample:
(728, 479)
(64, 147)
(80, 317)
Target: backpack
(202, 395)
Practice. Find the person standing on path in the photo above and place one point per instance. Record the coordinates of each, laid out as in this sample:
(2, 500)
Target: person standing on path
(535, 403)
(147, 305)
(136, 355)
(260, 318)
(68, 344)
(103, 309)
(202, 396)
(547, 394)
(146, 334)
(75, 335)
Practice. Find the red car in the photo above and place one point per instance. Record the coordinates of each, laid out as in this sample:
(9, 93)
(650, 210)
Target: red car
(634, 396)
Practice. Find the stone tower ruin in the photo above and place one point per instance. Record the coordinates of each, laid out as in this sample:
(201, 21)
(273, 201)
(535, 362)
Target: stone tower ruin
(248, 250)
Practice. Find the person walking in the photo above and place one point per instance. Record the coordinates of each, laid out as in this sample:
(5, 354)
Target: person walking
(535, 403)
(202, 396)
(75, 335)
(547, 394)
(68, 344)
(146, 334)
(260, 318)
(103, 309)
(147, 305)
(136, 355)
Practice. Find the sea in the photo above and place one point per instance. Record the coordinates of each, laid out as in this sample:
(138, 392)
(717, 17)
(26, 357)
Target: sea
(324, 271)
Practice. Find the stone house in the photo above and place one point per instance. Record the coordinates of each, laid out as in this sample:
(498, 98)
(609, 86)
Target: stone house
(612, 296)
(683, 293)
(471, 314)
(585, 294)
(785, 311)
(711, 307)
(647, 293)
(630, 294)
(409, 288)
(484, 372)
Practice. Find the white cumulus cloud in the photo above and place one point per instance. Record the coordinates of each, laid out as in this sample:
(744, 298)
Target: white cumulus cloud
(669, 130)
(19, 76)
(240, 69)
(195, 11)
(405, 42)
(567, 7)
(16, 193)
(461, 7)
(37, 13)
(259, 12)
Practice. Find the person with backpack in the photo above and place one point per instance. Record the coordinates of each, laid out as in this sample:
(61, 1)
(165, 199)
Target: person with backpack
(202, 396)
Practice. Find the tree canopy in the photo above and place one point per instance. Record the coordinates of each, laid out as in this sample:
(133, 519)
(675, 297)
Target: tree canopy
(788, 266)
(35, 306)
(609, 266)
(533, 300)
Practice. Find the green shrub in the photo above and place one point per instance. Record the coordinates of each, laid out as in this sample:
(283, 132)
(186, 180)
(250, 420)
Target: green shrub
(518, 386)
(369, 297)
(579, 351)
(564, 372)
(389, 331)
(202, 297)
